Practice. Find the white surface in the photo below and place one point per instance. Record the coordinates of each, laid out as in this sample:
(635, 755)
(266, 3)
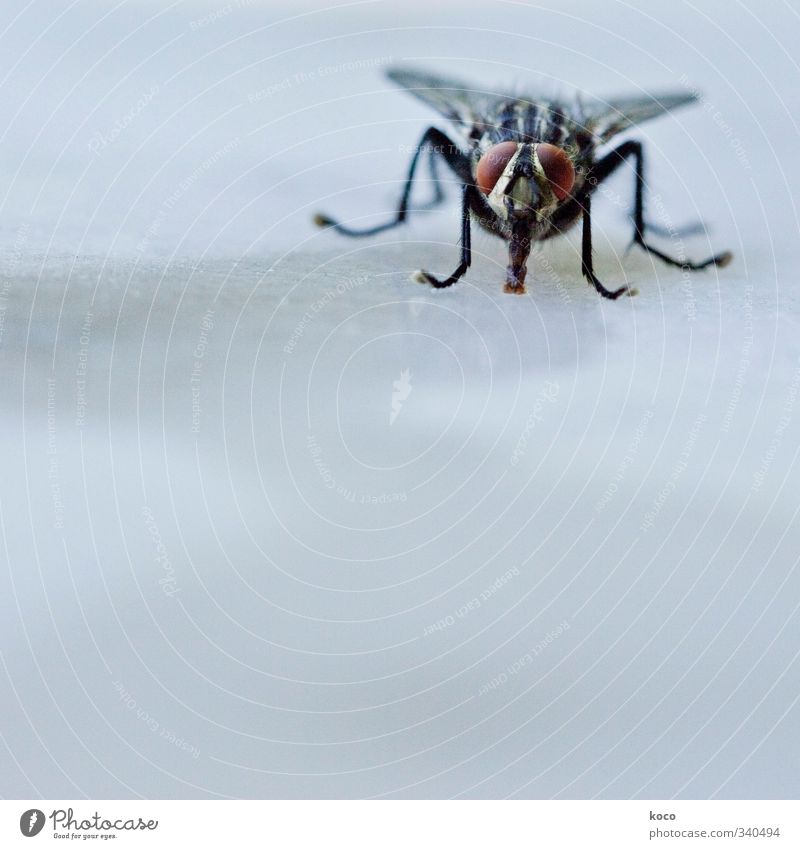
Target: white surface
(284, 644)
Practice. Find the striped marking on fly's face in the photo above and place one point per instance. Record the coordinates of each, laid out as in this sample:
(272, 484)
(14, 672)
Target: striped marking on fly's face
(522, 180)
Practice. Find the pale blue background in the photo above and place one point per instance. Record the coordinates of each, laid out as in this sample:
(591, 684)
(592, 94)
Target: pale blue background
(295, 655)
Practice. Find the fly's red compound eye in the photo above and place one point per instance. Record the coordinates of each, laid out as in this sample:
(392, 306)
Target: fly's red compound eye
(557, 167)
(492, 164)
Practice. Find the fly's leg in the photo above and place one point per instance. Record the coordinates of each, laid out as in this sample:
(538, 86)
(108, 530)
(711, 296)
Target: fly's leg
(696, 229)
(606, 166)
(586, 257)
(435, 143)
(467, 200)
(436, 182)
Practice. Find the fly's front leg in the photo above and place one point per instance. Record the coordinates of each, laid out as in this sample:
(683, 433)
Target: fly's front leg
(434, 142)
(606, 166)
(586, 257)
(467, 201)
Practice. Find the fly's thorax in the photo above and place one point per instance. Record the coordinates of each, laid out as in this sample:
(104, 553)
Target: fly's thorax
(524, 180)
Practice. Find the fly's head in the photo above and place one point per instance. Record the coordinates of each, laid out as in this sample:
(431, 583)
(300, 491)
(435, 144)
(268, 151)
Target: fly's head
(525, 182)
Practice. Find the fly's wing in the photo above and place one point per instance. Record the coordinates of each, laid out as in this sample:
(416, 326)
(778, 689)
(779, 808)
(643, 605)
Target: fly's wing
(605, 119)
(464, 104)
(469, 107)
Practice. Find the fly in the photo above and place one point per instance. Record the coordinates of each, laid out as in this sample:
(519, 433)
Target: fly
(528, 168)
